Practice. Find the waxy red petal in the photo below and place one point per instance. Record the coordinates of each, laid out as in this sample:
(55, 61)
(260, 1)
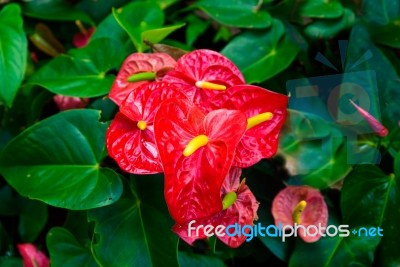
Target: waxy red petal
(243, 212)
(316, 211)
(193, 183)
(32, 257)
(136, 63)
(143, 103)
(204, 65)
(133, 149)
(262, 140)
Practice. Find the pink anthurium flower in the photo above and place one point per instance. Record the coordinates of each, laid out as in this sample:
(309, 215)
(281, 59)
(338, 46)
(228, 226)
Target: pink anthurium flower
(196, 151)
(378, 128)
(204, 73)
(302, 205)
(265, 112)
(32, 257)
(130, 137)
(139, 69)
(239, 208)
(69, 102)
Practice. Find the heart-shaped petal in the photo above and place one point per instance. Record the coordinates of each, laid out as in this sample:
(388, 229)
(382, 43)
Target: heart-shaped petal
(204, 66)
(193, 180)
(32, 257)
(261, 140)
(159, 63)
(314, 213)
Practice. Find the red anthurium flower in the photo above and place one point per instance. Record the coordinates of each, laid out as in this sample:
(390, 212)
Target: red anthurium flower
(302, 205)
(130, 137)
(240, 207)
(204, 73)
(32, 257)
(70, 102)
(378, 128)
(81, 38)
(266, 113)
(139, 69)
(196, 151)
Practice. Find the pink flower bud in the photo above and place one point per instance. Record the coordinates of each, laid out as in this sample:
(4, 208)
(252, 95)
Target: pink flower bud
(32, 257)
(70, 102)
(378, 128)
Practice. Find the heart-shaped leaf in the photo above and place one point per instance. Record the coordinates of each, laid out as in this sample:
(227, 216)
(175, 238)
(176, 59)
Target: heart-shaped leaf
(57, 161)
(369, 197)
(237, 13)
(135, 231)
(58, 10)
(82, 73)
(13, 53)
(65, 250)
(267, 52)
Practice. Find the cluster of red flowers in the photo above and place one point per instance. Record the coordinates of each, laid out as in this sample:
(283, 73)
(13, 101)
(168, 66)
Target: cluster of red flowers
(197, 121)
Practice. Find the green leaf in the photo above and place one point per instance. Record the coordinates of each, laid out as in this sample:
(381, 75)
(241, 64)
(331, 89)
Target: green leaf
(195, 28)
(82, 73)
(328, 28)
(98, 10)
(369, 197)
(237, 13)
(267, 52)
(380, 12)
(335, 251)
(135, 23)
(321, 9)
(57, 10)
(65, 250)
(157, 35)
(314, 150)
(397, 165)
(57, 161)
(136, 230)
(13, 53)
(32, 213)
(387, 34)
(197, 260)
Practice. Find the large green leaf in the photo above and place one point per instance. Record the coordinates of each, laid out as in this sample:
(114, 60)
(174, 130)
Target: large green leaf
(328, 28)
(382, 73)
(237, 13)
(267, 52)
(58, 161)
(13, 53)
(136, 230)
(380, 12)
(369, 197)
(143, 25)
(83, 72)
(314, 150)
(321, 9)
(58, 10)
(65, 250)
(335, 251)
